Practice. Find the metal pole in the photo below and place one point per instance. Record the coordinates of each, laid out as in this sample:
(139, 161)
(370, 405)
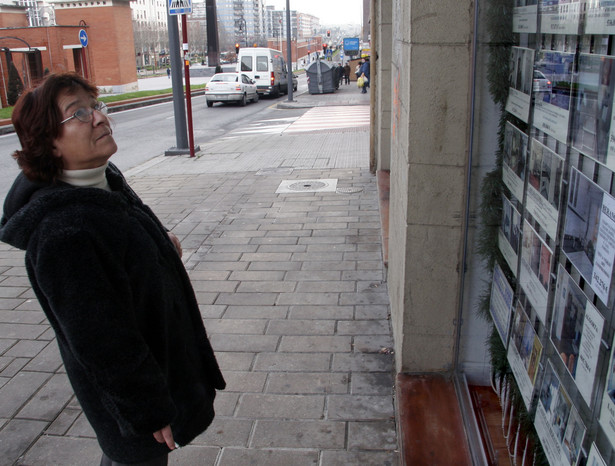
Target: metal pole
(289, 55)
(181, 137)
(187, 77)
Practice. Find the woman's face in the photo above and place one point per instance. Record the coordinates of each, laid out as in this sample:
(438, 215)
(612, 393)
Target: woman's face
(83, 145)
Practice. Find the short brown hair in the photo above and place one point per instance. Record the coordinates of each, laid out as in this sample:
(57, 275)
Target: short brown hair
(36, 118)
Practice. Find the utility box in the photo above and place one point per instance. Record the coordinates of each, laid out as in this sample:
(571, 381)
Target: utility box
(321, 78)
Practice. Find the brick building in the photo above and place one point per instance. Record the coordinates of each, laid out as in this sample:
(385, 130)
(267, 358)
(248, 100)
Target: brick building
(108, 60)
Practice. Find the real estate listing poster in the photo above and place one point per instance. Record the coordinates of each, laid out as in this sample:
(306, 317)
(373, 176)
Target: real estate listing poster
(589, 232)
(607, 412)
(595, 458)
(500, 305)
(560, 16)
(525, 16)
(552, 87)
(518, 102)
(600, 17)
(535, 270)
(544, 186)
(592, 123)
(514, 158)
(509, 234)
(557, 422)
(576, 332)
(524, 352)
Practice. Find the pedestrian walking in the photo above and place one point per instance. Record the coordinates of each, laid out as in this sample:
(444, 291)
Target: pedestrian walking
(169, 73)
(364, 72)
(347, 73)
(109, 278)
(340, 74)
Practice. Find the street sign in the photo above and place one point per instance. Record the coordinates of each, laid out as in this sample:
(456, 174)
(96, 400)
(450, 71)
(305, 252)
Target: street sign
(83, 38)
(180, 7)
(351, 46)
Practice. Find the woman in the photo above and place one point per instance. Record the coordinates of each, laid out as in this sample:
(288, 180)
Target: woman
(109, 279)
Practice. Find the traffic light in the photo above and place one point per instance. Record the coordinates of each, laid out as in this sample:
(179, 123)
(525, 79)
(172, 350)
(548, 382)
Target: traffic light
(237, 48)
(324, 48)
(328, 33)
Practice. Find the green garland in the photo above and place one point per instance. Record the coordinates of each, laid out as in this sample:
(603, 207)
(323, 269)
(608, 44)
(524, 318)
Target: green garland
(498, 14)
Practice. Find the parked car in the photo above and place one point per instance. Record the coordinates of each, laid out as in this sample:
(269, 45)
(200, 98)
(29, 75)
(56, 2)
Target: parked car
(541, 83)
(230, 87)
(267, 67)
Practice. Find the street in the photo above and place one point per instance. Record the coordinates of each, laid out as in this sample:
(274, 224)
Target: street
(144, 133)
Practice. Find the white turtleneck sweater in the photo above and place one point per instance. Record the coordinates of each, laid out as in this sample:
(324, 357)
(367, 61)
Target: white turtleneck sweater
(88, 178)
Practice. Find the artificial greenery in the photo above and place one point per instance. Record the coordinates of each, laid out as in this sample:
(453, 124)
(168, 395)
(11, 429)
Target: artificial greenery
(15, 87)
(498, 14)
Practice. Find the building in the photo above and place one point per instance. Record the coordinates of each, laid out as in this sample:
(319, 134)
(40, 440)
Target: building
(240, 21)
(151, 34)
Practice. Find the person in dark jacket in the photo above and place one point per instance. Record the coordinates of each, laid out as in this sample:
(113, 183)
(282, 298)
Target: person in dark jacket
(109, 278)
(364, 71)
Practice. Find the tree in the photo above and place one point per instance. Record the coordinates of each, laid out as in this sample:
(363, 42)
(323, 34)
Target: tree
(15, 87)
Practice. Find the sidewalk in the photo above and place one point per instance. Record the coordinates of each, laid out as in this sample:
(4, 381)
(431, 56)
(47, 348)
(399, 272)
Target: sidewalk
(292, 291)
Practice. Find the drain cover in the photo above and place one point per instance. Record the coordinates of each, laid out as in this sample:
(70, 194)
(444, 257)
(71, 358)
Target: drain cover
(307, 186)
(349, 190)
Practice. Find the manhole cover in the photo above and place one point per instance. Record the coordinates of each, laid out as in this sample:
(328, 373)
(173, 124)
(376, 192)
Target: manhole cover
(307, 185)
(349, 190)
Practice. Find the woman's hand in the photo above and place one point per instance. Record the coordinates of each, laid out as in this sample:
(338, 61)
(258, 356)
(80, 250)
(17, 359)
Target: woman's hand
(175, 240)
(165, 435)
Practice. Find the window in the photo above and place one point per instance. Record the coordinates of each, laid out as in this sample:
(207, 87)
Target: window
(246, 63)
(261, 63)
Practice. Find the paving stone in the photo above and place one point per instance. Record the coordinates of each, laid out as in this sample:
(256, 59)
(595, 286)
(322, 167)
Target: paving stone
(241, 326)
(273, 266)
(81, 428)
(372, 343)
(216, 286)
(212, 311)
(308, 298)
(256, 299)
(372, 383)
(11, 303)
(49, 401)
(194, 455)
(261, 275)
(234, 360)
(292, 362)
(362, 362)
(16, 436)
(322, 312)
(256, 312)
(365, 297)
(14, 366)
(313, 275)
(226, 403)
(301, 327)
(376, 458)
(267, 406)
(216, 275)
(6, 344)
(26, 348)
(227, 266)
(315, 344)
(69, 451)
(328, 265)
(359, 407)
(291, 248)
(226, 432)
(274, 240)
(307, 382)
(245, 381)
(63, 422)
(363, 327)
(244, 343)
(267, 286)
(374, 311)
(22, 316)
(299, 434)
(22, 331)
(251, 457)
(372, 436)
(325, 286)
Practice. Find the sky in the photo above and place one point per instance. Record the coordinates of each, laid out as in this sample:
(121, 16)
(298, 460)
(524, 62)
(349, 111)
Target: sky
(329, 11)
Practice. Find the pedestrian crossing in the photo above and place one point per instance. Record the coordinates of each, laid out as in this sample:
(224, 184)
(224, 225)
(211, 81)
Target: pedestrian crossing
(331, 118)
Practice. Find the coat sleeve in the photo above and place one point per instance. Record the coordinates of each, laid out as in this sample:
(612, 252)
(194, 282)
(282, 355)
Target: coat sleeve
(88, 295)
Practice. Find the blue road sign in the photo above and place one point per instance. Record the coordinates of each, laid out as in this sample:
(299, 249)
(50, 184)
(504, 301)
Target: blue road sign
(83, 38)
(351, 45)
(180, 7)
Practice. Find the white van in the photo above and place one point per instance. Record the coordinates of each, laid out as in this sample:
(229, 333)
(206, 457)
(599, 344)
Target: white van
(266, 67)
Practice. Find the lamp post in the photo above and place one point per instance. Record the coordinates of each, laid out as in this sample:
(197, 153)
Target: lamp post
(289, 55)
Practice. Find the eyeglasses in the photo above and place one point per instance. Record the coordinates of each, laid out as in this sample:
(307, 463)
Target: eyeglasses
(84, 114)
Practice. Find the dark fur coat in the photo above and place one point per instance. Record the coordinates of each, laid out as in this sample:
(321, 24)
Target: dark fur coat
(124, 312)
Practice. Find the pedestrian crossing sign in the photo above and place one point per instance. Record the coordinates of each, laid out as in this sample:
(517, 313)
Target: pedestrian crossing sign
(180, 7)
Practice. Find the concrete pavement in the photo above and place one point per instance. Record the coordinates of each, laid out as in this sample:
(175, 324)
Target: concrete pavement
(292, 291)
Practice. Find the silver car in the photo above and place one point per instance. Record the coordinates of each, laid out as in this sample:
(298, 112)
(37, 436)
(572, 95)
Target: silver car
(230, 87)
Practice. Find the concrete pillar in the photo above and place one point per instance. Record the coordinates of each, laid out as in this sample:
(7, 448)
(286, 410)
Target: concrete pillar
(430, 70)
(381, 61)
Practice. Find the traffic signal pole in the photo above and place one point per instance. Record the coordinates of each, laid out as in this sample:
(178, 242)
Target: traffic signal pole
(289, 55)
(187, 77)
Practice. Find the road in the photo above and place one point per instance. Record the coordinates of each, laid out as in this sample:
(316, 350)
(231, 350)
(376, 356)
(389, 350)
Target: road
(144, 133)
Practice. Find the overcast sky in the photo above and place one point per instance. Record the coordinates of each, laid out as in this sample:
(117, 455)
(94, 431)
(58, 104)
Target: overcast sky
(329, 11)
